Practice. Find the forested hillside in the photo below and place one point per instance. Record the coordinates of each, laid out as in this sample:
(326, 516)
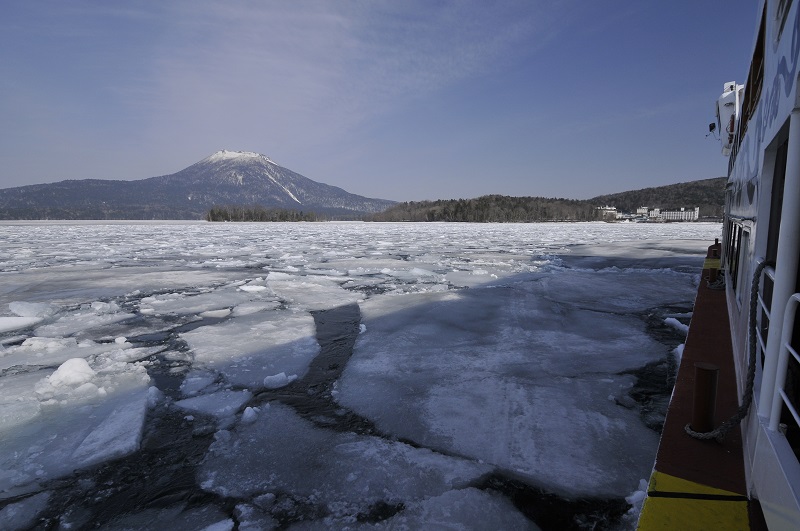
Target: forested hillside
(491, 208)
(708, 194)
(259, 213)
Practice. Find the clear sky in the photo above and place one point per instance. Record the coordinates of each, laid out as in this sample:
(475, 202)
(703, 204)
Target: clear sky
(403, 100)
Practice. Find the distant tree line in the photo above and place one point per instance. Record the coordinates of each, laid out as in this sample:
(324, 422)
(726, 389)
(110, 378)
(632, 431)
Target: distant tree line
(492, 209)
(260, 213)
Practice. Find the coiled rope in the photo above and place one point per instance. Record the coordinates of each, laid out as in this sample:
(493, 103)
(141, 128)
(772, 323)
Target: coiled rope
(747, 398)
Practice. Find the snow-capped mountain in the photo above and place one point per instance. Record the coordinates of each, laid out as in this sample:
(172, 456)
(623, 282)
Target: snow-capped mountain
(225, 178)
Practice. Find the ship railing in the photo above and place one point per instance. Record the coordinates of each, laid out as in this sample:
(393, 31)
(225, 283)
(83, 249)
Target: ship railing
(786, 354)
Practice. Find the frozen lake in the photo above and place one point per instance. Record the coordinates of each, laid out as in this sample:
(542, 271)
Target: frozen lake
(336, 375)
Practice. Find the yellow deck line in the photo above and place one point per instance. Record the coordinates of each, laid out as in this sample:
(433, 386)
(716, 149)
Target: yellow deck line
(675, 503)
(660, 482)
(711, 263)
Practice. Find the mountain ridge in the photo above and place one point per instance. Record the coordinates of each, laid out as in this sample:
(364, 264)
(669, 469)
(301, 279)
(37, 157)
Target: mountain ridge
(225, 177)
(248, 179)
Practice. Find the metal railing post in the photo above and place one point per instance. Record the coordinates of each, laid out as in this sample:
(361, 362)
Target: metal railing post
(783, 360)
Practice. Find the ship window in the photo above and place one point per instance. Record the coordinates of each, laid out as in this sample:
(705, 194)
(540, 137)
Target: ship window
(742, 269)
(776, 201)
(733, 255)
(755, 79)
(728, 244)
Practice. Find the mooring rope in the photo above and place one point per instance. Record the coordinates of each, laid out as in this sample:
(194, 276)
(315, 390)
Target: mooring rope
(747, 398)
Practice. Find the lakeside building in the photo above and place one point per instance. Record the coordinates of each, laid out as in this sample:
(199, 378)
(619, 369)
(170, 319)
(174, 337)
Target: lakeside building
(645, 213)
(681, 214)
(608, 212)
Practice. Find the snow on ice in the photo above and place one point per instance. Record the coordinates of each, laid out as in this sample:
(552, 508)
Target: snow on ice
(503, 351)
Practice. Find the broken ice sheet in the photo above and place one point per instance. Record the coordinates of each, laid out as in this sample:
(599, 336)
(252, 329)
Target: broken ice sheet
(342, 473)
(222, 298)
(618, 289)
(89, 316)
(462, 509)
(45, 351)
(504, 375)
(310, 292)
(61, 440)
(70, 418)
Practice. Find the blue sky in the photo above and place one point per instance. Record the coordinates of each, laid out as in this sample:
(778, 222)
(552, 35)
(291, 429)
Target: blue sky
(403, 100)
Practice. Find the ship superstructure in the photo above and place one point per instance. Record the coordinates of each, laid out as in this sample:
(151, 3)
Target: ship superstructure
(758, 123)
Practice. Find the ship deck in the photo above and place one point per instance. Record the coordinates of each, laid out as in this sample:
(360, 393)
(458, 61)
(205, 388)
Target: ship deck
(700, 484)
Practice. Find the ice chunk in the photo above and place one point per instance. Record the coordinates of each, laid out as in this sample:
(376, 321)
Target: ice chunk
(252, 288)
(636, 500)
(248, 308)
(196, 381)
(116, 436)
(254, 518)
(9, 340)
(222, 525)
(278, 380)
(32, 309)
(250, 414)
(8, 324)
(216, 314)
(677, 325)
(75, 371)
(18, 401)
(221, 404)
(154, 396)
(250, 348)
(678, 352)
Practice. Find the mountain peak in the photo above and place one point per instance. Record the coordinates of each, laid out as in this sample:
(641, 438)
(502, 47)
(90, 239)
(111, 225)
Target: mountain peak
(224, 154)
(224, 178)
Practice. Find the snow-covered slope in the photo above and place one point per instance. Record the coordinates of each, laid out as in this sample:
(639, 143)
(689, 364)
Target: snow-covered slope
(224, 178)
